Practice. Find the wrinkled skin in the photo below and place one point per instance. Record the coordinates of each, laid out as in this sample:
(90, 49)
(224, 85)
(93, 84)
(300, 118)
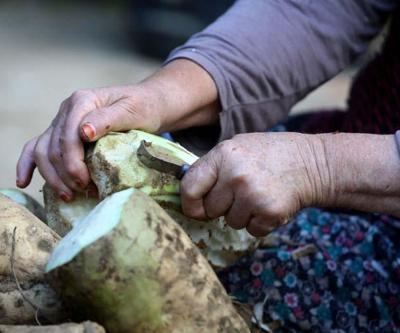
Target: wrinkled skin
(257, 181)
(85, 116)
(166, 101)
(260, 180)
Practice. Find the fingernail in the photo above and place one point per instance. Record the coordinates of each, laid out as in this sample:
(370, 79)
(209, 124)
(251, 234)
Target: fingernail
(88, 131)
(65, 197)
(18, 183)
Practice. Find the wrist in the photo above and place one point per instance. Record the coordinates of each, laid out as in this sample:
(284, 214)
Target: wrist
(182, 94)
(320, 187)
(362, 172)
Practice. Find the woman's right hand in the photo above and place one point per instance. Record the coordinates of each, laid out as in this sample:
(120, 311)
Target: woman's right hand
(168, 100)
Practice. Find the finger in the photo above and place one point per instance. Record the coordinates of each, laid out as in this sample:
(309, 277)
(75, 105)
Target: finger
(47, 170)
(71, 150)
(239, 214)
(218, 201)
(197, 182)
(260, 226)
(26, 164)
(56, 157)
(117, 117)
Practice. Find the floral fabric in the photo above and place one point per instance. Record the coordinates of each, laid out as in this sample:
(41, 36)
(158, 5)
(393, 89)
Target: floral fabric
(349, 283)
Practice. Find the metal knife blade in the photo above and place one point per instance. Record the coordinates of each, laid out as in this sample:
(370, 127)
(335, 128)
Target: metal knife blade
(161, 160)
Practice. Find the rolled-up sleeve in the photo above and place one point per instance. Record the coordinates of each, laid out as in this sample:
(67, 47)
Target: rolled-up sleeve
(265, 55)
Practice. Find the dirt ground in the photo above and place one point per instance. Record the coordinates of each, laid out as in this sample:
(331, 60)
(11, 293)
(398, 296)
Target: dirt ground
(48, 52)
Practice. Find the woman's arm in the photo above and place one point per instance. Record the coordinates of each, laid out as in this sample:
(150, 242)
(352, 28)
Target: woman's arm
(259, 180)
(266, 55)
(362, 172)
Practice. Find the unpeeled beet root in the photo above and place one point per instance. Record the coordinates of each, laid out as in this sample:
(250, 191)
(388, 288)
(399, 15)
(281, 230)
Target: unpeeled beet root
(33, 241)
(25, 200)
(133, 269)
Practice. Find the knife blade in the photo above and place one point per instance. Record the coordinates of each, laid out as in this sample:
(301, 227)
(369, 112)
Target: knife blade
(160, 159)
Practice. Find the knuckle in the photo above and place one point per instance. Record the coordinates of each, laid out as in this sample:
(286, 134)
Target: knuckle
(82, 95)
(64, 105)
(77, 94)
(29, 145)
(39, 153)
(240, 180)
(227, 146)
(72, 169)
(188, 191)
(62, 140)
(276, 210)
(63, 111)
(54, 156)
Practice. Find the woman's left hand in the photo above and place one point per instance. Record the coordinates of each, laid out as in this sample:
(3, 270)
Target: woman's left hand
(257, 181)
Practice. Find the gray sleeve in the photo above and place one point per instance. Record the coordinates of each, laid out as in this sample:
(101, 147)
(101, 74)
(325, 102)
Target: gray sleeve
(265, 55)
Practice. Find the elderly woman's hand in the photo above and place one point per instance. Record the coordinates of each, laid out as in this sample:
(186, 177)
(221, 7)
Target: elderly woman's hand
(168, 100)
(257, 181)
(83, 117)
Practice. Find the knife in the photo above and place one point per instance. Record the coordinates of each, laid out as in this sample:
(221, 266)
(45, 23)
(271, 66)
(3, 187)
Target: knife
(161, 160)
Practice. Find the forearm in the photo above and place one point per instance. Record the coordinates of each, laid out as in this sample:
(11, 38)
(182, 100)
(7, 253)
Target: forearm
(266, 55)
(184, 94)
(360, 171)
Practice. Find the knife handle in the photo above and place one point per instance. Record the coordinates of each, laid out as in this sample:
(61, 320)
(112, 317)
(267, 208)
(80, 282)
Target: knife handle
(184, 168)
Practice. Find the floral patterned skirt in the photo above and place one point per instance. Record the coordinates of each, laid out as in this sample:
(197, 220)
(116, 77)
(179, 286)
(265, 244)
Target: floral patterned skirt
(325, 271)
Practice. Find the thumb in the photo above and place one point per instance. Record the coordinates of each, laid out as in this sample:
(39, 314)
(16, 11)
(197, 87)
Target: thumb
(112, 118)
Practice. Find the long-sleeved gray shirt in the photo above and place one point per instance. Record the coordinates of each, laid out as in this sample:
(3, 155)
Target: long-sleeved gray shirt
(265, 55)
